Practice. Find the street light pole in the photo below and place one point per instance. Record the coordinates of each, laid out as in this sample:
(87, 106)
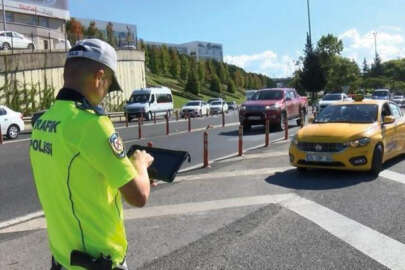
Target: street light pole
(375, 43)
(309, 21)
(4, 15)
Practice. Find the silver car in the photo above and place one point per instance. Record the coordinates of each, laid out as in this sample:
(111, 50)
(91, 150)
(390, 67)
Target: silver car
(10, 39)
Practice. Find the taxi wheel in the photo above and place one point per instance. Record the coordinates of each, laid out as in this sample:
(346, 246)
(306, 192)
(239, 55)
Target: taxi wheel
(376, 165)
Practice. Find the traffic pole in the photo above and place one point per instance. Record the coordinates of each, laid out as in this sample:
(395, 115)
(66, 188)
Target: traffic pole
(205, 154)
(223, 118)
(267, 127)
(126, 119)
(150, 144)
(189, 122)
(139, 128)
(240, 142)
(1, 136)
(285, 128)
(167, 124)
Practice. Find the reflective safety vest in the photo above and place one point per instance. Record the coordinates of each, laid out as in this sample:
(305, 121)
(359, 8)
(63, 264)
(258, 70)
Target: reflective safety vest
(79, 164)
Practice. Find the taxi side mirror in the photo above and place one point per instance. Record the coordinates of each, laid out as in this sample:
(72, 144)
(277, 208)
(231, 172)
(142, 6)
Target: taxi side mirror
(388, 119)
(311, 120)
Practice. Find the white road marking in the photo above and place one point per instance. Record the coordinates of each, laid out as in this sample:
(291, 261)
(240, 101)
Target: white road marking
(394, 176)
(238, 173)
(20, 219)
(16, 141)
(379, 247)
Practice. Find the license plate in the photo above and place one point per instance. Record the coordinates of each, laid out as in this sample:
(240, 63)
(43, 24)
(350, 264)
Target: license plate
(319, 157)
(255, 118)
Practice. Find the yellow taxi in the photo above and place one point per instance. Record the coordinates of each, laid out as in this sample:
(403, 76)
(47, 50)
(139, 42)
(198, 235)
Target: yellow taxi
(353, 135)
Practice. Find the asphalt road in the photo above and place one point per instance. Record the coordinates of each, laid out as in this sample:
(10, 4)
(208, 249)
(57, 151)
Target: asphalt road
(17, 191)
(254, 212)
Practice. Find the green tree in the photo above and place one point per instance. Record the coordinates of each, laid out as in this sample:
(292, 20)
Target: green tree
(365, 69)
(74, 30)
(215, 85)
(193, 84)
(329, 45)
(202, 70)
(377, 68)
(174, 63)
(184, 64)
(231, 86)
(345, 72)
(164, 60)
(155, 62)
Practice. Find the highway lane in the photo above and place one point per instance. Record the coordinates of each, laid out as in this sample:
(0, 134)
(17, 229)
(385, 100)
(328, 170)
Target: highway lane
(17, 191)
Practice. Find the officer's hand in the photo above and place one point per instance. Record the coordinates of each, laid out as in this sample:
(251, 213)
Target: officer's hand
(141, 159)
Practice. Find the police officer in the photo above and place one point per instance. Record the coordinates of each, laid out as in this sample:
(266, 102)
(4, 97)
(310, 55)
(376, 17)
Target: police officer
(80, 166)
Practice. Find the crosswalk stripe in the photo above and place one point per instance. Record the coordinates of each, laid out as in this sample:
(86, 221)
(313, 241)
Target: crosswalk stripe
(394, 176)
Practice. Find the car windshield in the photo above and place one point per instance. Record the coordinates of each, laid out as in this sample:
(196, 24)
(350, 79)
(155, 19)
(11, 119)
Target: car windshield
(332, 97)
(380, 93)
(230, 103)
(268, 95)
(399, 97)
(364, 113)
(139, 98)
(216, 103)
(250, 95)
(194, 103)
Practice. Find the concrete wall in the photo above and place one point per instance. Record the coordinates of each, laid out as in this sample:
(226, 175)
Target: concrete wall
(45, 70)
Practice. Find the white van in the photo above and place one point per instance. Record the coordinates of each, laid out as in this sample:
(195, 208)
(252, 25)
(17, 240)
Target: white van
(147, 101)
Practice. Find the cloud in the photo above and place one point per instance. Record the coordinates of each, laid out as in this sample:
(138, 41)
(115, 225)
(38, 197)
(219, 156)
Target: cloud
(358, 46)
(267, 62)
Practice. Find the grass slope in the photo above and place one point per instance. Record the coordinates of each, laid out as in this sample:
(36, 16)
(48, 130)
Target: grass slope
(180, 97)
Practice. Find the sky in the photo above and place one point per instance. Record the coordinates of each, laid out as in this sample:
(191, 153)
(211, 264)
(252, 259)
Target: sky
(262, 36)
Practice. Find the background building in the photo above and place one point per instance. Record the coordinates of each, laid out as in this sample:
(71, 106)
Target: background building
(43, 21)
(198, 49)
(125, 34)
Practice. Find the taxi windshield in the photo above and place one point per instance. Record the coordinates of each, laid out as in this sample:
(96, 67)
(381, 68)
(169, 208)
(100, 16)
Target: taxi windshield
(139, 98)
(356, 113)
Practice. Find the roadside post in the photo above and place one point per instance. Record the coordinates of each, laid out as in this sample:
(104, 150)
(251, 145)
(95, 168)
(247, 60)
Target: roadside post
(302, 119)
(167, 123)
(240, 141)
(286, 128)
(126, 119)
(150, 145)
(154, 117)
(223, 117)
(189, 122)
(139, 128)
(205, 157)
(177, 115)
(207, 113)
(267, 127)
(1, 136)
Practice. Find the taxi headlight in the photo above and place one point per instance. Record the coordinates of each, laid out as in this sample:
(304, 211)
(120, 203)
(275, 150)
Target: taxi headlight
(359, 142)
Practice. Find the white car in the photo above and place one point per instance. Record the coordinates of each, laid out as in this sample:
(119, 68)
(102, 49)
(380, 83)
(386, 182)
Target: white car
(195, 108)
(218, 107)
(400, 100)
(10, 39)
(11, 122)
(329, 99)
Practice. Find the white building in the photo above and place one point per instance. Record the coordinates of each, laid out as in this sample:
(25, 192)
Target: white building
(43, 21)
(198, 49)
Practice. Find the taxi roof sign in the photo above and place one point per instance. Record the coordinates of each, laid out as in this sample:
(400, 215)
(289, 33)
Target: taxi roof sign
(358, 97)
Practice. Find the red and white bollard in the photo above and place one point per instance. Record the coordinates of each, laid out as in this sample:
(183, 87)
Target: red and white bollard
(240, 141)
(286, 128)
(139, 128)
(267, 131)
(189, 122)
(223, 118)
(177, 115)
(167, 124)
(1, 136)
(150, 144)
(126, 119)
(205, 151)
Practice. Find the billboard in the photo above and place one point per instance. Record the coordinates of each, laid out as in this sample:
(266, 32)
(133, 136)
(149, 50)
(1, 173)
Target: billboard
(50, 8)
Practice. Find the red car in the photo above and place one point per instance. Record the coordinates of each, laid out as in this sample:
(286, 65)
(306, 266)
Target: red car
(275, 103)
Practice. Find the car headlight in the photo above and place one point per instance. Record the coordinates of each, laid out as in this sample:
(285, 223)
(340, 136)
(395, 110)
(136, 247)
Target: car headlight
(243, 108)
(359, 142)
(273, 107)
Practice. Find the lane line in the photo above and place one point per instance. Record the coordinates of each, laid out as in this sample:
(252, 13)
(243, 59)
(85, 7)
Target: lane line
(379, 247)
(20, 219)
(394, 176)
(174, 209)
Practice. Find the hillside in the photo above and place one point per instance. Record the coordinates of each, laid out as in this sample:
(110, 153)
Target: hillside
(181, 97)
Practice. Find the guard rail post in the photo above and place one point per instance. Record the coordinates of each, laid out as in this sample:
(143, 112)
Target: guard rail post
(167, 124)
(240, 142)
(139, 128)
(267, 127)
(286, 128)
(205, 154)
(189, 122)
